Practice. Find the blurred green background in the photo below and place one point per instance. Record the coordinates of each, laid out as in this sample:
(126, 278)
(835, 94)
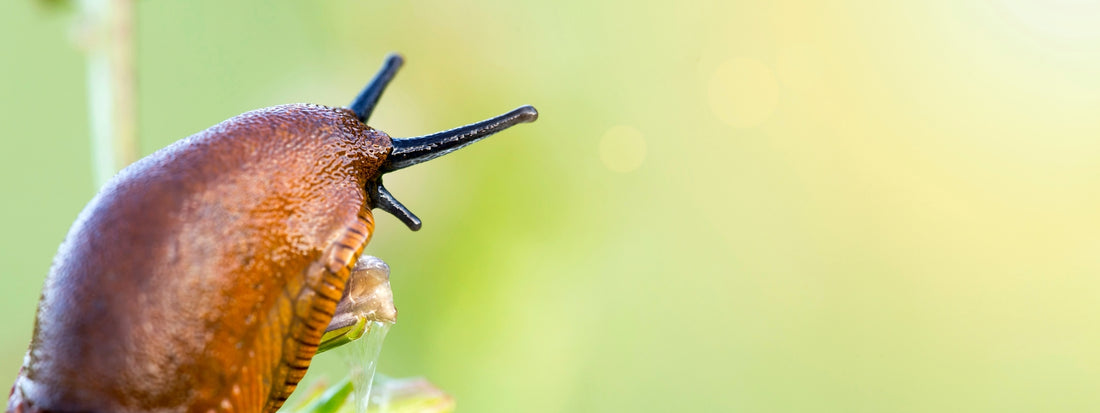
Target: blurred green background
(780, 206)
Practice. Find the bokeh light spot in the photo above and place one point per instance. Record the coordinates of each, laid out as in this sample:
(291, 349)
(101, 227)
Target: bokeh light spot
(622, 148)
(743, 92)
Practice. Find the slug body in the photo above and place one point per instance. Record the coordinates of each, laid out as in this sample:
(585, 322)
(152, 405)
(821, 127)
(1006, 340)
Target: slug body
(214, 260)
(202, 277)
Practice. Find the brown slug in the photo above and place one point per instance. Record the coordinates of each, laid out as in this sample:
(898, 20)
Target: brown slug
(202, 277)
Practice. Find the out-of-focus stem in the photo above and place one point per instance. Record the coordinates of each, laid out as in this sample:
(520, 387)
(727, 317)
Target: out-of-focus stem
(108, 37)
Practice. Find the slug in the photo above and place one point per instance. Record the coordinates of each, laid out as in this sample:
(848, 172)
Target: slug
(202, 277)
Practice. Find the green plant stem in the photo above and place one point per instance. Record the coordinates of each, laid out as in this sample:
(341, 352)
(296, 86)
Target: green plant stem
(109, 37)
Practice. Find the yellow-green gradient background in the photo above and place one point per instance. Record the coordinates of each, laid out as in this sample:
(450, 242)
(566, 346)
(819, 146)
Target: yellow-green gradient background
(852, 206)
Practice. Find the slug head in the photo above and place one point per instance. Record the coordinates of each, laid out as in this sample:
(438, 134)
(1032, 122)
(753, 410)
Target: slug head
(411, 151)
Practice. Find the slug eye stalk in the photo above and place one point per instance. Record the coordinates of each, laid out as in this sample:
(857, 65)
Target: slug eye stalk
(411, 151)
(364, 104)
